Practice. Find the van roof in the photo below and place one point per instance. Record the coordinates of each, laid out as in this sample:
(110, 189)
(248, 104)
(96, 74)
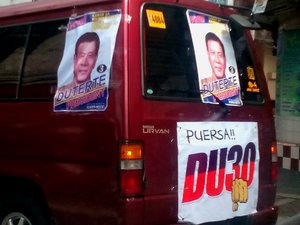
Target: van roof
(46, 5)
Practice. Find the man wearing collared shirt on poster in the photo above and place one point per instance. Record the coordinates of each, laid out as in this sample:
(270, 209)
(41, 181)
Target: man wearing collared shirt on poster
(216, 55)
(223, 87)
(85, 58)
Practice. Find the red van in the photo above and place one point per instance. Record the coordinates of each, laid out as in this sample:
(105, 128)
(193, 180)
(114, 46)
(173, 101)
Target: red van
(174, 126)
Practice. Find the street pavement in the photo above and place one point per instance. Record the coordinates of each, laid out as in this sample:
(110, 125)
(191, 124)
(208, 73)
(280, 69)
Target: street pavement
(288, 197)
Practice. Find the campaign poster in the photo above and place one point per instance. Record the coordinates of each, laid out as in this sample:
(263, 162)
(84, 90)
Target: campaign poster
(215, 59)
(218, 164)
(84, 71)
(259, 6)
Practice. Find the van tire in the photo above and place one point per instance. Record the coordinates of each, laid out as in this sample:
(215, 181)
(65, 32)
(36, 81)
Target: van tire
(14, 208)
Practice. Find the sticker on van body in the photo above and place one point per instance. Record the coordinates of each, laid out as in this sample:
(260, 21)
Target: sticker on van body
(83, 74)
(156, 19)
(217, 170)
(215, 59)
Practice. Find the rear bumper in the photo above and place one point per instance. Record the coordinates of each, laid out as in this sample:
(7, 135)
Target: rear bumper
(160, 211)
(263, 217)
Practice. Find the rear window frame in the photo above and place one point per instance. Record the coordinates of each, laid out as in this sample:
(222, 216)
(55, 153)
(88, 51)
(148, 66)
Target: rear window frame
(20, 78)
(143, 27)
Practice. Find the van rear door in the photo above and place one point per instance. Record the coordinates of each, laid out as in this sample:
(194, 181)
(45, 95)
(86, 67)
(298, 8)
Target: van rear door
(165, 98)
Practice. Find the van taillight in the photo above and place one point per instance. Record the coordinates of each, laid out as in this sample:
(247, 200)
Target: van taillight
(131, 168)
(274, 161)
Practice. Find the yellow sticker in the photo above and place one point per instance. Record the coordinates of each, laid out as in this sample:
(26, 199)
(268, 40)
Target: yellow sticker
(253, 87)
(250, 73)
(156, 19)
(214, 20)
(252, 84)
(256, 90)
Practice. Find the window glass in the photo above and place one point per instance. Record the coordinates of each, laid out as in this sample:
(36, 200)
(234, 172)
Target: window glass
(12, 41)
(169, 67)
(43, 55)
(29, 59)
(250, 87)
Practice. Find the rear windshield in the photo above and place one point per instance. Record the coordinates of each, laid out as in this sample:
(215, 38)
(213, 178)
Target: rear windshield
(170, 69)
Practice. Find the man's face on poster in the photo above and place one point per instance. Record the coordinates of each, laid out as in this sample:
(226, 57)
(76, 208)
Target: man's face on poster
(84, 61)
(216, 58)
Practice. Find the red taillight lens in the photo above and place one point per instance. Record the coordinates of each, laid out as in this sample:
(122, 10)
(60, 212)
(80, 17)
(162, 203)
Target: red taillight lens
(131, 182)
(274, 161)
(131, 168)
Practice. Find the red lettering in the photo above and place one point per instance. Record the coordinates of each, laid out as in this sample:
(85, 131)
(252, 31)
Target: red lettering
(215, 177)
(209, 176)
(197, 19)
(189, 193)
(248, 167)
(235, 155)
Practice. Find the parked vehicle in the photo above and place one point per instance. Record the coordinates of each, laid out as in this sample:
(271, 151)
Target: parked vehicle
(151, 138)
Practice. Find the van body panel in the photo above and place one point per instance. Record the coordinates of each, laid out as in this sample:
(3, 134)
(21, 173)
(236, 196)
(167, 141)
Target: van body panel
(67, 151)
(47, 10)
(147, 124)
(73, 157)
(41, 6)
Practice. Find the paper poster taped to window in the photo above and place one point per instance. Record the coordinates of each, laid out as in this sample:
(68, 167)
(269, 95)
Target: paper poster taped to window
(218, 164)
(259, 6)
(215, 59)
(84, 71)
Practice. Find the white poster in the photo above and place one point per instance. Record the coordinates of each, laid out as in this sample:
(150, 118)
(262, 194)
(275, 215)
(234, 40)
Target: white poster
(83, 74)
(217, 170)
(259, 6)
(215, 59)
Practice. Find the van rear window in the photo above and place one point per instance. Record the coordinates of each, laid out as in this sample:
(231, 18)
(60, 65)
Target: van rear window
(169, 62)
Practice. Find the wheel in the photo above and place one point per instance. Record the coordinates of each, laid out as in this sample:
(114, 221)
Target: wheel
(16, 218)
(21, 210)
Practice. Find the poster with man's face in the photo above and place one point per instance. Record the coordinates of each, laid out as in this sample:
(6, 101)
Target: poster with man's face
(215, 59)
(83, 74)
